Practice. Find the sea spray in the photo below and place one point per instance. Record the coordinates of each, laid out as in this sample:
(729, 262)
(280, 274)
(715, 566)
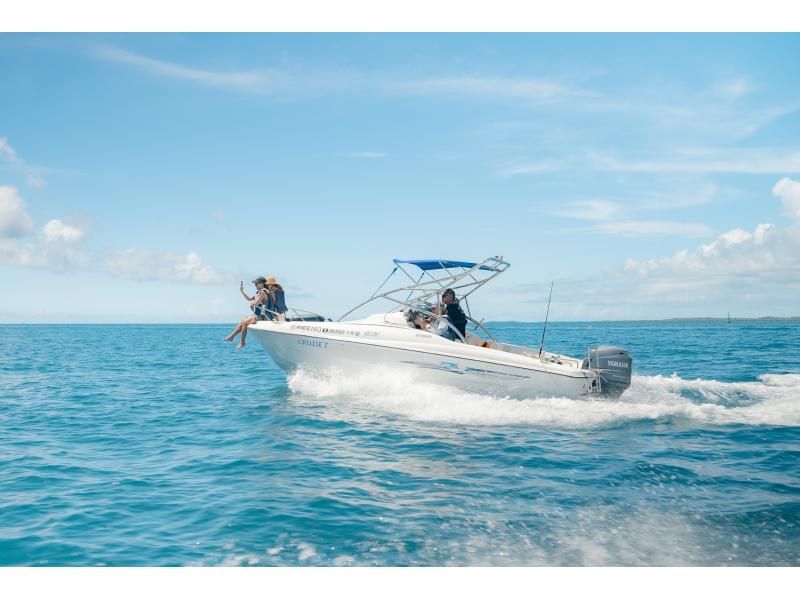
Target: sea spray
(773, 400)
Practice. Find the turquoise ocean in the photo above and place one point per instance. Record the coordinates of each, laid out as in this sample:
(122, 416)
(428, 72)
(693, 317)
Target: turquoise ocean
(162, 445)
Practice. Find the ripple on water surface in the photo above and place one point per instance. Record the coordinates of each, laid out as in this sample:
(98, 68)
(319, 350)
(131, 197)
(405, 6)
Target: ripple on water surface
(162, 445)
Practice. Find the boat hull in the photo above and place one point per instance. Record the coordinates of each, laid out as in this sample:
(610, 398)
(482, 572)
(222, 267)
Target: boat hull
(354, 348)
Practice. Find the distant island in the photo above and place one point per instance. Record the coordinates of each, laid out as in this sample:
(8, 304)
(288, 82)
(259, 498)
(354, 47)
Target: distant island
(677, 320)
(731, 320)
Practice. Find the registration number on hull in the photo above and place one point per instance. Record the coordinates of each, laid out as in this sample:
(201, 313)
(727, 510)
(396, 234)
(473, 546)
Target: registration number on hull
(312, 343)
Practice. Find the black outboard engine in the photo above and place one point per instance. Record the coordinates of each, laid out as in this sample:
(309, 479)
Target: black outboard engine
(614, 364)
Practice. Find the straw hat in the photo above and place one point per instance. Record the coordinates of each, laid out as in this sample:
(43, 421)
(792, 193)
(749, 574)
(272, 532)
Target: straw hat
(272, 280)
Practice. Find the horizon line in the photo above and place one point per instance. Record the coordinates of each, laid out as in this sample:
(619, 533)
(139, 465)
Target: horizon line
(635, 320)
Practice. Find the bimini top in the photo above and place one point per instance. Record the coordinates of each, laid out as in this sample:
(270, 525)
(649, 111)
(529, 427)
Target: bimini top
(427, 286)
(442, 264)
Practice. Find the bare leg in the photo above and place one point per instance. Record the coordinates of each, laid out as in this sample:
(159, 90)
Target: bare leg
(234, 332)
(238, 329)
(245, 323)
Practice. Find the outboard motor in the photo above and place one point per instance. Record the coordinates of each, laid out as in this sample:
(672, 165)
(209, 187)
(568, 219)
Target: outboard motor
(614, 364)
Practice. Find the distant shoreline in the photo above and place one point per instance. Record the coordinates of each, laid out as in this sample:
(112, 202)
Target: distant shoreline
(676, 320)
(732, 320)
(794, 319)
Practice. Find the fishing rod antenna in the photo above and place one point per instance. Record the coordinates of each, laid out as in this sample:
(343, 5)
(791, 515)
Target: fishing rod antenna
(547, 315)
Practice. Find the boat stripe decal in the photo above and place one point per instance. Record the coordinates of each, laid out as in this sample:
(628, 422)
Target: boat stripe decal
(577, 373)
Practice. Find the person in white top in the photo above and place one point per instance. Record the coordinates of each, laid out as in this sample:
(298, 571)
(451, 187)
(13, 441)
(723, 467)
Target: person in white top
(438, 324)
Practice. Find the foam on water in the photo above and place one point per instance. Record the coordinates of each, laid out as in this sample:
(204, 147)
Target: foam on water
(588, 536)
(772, 400)
(161, 445)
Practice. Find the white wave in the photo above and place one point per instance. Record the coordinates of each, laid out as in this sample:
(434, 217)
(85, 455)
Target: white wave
(774, 399)
(306, 551)
(238, 560)
(594, 536)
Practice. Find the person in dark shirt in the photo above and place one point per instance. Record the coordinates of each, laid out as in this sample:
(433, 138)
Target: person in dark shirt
(457, 316)
(277, 300)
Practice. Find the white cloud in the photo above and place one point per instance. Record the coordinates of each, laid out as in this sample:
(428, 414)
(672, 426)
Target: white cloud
(144, 265)
(9, 155)
(254, 80)
(761, 267)
(526, 89)
(748, 272)
(736, 251)
(755, 161)
(683, 113)
(606, 215)
(680, 199)
(14, 220)
(683, 161)
(56, 231)
(367, 155)
(6, 150)
(704, 112)
(733, 89)
(587, 209)
(789, 193)
(261, 80)
(752, 273)
(531, 168)
(57, 247)
(653, 228)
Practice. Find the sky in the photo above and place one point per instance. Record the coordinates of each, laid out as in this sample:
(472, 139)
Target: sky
(649, 176)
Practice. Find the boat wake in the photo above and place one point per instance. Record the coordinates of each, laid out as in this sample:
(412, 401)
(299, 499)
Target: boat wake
(772, 400)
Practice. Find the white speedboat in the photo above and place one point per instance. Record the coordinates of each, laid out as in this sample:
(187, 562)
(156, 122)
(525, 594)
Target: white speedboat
(475, 361)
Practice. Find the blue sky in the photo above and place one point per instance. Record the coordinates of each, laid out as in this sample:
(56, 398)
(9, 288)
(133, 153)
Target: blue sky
(650, 176)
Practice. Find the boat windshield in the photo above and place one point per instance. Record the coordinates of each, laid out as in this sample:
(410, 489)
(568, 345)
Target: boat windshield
(427, 279)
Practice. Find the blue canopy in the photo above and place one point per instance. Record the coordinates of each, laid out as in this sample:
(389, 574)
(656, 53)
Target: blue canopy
(440, 264)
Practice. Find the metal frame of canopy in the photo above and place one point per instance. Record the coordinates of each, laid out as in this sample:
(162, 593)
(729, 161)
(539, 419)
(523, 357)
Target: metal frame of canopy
(471, 277)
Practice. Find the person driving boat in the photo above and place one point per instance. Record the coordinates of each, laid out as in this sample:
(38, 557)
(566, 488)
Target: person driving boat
(457, 316)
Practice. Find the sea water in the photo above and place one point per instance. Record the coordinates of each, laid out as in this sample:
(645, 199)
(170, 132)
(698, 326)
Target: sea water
(163, 445)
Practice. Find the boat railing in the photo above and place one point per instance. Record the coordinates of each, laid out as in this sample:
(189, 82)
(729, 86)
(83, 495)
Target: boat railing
(298, 315)
(480, 326)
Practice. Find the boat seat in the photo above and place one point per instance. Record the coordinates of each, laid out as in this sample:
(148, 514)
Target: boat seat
(477, 341)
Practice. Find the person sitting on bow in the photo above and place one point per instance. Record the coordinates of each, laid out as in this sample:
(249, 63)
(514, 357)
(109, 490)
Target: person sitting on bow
(259, 305)
(277, 300)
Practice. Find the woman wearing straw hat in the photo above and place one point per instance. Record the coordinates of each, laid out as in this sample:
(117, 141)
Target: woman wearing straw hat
(277, 300)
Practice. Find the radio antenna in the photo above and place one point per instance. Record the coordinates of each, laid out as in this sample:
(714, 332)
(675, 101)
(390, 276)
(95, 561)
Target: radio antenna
(547, 315)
